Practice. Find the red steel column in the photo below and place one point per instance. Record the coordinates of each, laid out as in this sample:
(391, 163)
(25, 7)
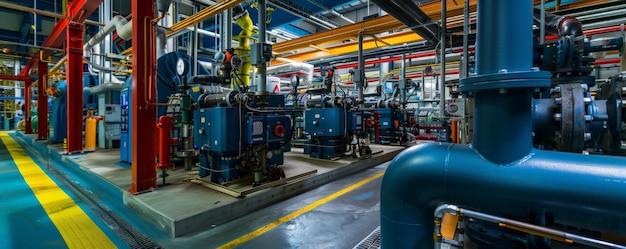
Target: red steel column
(75, 85)
(143, 96)
(42, 100)
(27, 123)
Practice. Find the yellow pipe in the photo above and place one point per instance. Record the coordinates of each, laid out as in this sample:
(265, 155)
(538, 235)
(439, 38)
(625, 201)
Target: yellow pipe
(204, 14)
(243, 50)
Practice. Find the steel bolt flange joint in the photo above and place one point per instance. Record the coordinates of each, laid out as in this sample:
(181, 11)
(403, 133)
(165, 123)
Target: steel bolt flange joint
(506, 80)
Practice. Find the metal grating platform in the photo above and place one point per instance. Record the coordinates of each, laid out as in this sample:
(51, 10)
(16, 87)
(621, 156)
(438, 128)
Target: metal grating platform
(371, 241)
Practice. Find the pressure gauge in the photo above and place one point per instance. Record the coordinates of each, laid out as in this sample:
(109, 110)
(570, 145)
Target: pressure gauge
(181, 67)
(295, 80)
(269, 154)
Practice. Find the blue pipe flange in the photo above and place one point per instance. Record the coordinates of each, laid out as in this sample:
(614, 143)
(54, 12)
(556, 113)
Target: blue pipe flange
(573, 117)
(506, 80)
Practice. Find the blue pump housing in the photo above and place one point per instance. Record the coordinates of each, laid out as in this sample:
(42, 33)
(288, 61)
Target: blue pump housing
(231, 138)
(328, 128)
(167, 84)
(59, 107)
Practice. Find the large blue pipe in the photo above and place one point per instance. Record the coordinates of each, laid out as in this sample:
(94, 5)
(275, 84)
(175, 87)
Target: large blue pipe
(500, 172)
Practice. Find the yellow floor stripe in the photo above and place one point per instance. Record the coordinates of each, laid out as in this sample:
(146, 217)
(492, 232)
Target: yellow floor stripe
(77, 229)
(299, 212)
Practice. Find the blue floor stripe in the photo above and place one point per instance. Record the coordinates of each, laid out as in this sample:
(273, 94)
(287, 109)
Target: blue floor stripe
(24, 222)
(33, 236)
(110, 195)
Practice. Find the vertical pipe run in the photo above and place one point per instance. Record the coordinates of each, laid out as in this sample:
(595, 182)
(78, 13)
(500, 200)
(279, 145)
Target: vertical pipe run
(402, 83)
(466, 30)
(226, 36)
(507, 113)
(542, 27)
(262, 39)
(361, 70)
(75, 103)
(28, 129)
(42, 100)
(442, 86)
(105, 14)
(505, 40)
(194, 49)
(143, 123)
(622, 64)
(498, 116)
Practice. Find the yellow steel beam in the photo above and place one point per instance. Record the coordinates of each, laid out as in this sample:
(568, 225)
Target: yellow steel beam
(204, 14)
(390, 40)
(383, 23)
(320, 48)
(388, 23)
(373, 26)
(580, 4)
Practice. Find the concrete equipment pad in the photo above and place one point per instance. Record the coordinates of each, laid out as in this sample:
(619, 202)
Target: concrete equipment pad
(181, 207)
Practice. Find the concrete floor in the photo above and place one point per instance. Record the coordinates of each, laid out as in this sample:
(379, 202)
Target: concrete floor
(340, 222)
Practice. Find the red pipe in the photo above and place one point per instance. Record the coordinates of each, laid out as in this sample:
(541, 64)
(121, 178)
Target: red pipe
(75, 104)
(16, 78)
(607, 61)
(591, 32)
(419, 75)
(165, 142)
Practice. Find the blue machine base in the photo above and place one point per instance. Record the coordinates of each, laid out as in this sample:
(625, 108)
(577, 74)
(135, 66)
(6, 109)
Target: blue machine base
(324, 147)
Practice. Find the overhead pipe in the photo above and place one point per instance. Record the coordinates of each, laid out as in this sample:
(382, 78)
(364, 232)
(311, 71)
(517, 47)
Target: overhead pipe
(124, 29)
(330, 10)
(114, 85)
(58, 65)
(305, 68)
(500, 173)
(203, 15)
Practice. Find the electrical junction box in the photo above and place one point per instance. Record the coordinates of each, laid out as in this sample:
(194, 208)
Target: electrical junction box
(328, 122)
(113, 113)
(260, 53)
(386, 118)
(256, 130)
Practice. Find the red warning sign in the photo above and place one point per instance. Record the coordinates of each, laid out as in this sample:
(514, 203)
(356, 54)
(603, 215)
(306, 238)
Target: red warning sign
(276, 89)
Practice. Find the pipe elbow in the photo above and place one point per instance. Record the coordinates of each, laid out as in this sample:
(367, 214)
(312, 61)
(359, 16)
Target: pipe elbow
(419, 169)
(570, 26)
(125, 29)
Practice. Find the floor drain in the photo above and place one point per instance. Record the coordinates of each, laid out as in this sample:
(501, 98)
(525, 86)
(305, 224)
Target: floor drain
(371, 241)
